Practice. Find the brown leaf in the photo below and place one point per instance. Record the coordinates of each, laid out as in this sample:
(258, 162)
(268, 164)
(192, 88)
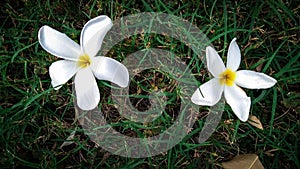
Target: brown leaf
(254, 121)
(269, 152)
(68, 140)
(246, 161)
(259, 67)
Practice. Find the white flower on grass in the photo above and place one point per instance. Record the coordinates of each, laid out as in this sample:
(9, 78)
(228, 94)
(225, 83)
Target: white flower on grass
(228, 79)
(82, 61)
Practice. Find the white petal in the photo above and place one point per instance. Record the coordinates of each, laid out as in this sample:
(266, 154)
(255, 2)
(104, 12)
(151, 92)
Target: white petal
(211, 93)
(87, 91)
(238, 101)
(93, 33)
(233, 56)
(105, 68)
(58, 44)
(254, 80)
(61, 71)
(215, 64)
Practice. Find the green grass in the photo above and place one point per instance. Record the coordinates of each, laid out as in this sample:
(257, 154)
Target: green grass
(35, 119)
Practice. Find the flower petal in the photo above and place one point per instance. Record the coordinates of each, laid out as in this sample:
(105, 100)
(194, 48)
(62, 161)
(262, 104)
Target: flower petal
(254, 80)
(105, 68)
(233, 56)
(86, 88)
(238, 101)
(215, 64)
(93, 33)
(58, 44)
(61, 71)
(211, 93)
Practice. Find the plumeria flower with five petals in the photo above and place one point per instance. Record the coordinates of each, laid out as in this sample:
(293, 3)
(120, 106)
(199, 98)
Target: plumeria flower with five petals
(228, 79)
(82, 61)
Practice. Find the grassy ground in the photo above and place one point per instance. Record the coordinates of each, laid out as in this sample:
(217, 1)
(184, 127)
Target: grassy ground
(35, 119)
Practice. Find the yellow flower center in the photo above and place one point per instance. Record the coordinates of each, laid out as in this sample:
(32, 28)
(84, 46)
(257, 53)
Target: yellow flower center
(84, 61)
(227, 77)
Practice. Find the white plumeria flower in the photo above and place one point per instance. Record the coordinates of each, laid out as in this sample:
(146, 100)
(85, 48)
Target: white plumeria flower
(228, 79)
(82, 61)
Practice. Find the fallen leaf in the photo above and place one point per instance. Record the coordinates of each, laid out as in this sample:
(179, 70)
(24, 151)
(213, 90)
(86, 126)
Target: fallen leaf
(254, 121)
(259, 67)
(68, 140)
(269, 152)
(246, 161)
